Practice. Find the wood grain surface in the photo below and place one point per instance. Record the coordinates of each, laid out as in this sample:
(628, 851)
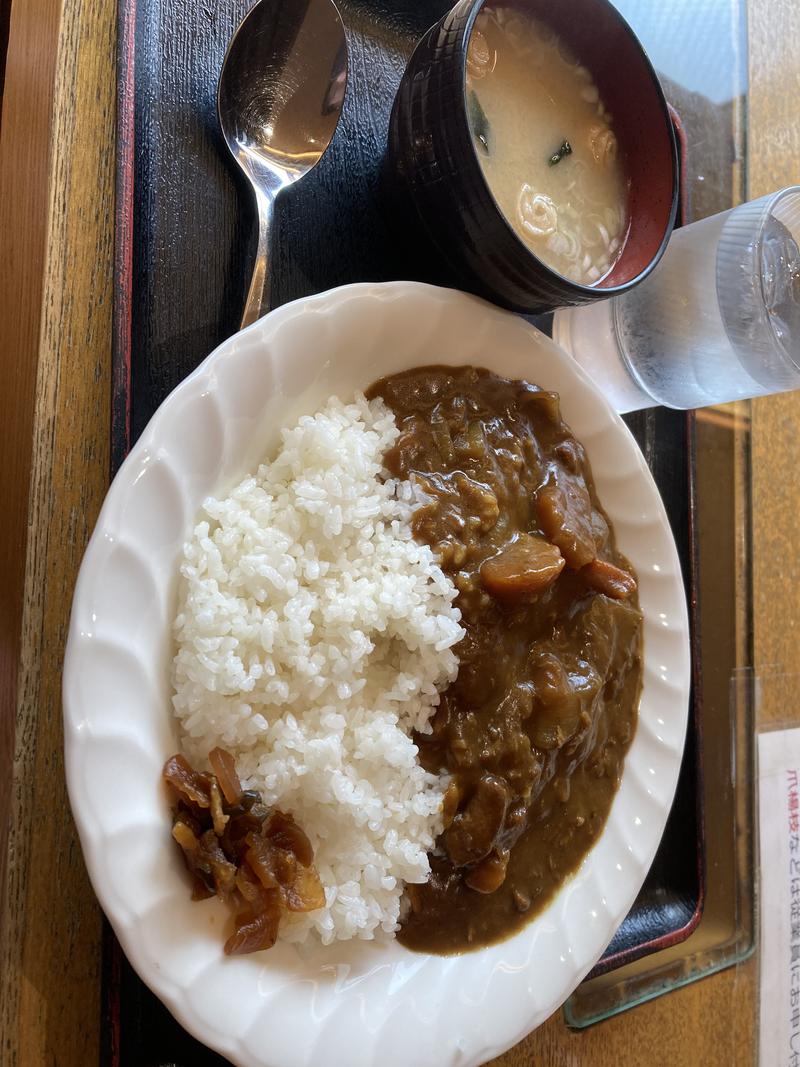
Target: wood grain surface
(24, 195)
(774, 162)
(56, 207)
(56, 192)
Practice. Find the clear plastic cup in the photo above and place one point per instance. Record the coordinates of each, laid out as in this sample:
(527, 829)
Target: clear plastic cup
(717, 320)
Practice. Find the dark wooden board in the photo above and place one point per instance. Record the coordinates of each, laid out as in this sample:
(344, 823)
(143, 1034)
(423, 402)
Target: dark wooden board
(185, 236)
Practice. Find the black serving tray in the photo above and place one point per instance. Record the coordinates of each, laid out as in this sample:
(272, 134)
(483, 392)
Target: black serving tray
(185, 230)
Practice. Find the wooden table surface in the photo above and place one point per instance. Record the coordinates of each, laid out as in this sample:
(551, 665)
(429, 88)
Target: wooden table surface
(56, 215)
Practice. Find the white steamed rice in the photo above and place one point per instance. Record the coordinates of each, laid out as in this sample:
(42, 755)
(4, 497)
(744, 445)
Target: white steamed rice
(313, 634)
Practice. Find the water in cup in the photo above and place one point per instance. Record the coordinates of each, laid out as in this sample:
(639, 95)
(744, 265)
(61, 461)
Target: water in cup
(717, 320)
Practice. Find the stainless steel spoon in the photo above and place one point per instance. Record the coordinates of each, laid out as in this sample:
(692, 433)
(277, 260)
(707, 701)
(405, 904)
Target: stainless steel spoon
(280, 94)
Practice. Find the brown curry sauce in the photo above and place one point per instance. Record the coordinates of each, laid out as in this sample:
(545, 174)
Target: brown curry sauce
(534, 731)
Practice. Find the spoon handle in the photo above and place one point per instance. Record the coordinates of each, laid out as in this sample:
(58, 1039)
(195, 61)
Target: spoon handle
(258, 296)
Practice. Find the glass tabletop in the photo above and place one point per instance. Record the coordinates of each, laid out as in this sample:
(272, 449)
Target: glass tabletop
(699, 49)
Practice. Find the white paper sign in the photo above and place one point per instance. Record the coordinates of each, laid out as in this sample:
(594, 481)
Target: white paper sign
(779, 826)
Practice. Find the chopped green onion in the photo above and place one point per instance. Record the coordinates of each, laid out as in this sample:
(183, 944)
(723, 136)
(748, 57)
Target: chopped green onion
(478, 121)
(564, 150)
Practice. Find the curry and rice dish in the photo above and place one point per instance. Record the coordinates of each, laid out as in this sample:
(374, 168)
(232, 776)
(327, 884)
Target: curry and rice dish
(413, 652)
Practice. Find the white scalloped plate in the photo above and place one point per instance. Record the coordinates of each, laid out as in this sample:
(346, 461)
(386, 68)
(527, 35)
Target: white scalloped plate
(355, 1003)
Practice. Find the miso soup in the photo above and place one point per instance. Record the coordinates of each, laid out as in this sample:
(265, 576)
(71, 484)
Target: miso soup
(546, 144)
